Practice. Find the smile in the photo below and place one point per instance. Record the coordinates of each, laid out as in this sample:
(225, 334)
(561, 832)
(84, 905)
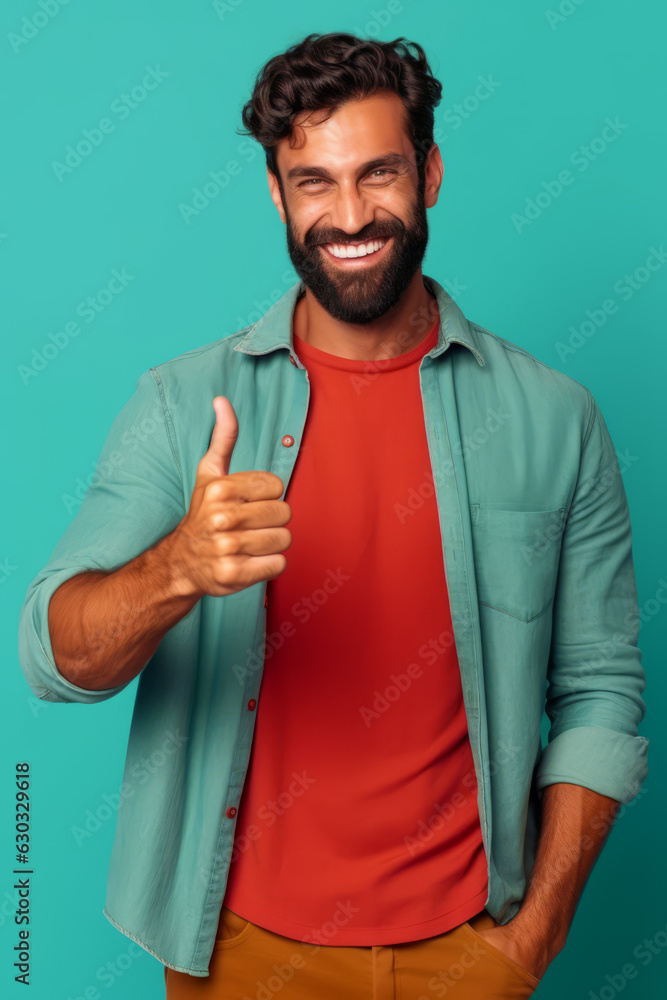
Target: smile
(356, 252)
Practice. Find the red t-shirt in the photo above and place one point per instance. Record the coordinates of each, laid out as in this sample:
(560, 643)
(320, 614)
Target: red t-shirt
(358, 823)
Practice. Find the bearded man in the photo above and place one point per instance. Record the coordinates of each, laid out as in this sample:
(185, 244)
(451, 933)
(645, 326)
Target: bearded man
(335, 784)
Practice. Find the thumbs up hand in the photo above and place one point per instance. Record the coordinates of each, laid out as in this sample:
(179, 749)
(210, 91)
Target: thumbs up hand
(215, 462)
(234, 531)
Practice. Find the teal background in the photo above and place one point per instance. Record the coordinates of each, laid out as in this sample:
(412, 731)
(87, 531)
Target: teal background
(556, 80)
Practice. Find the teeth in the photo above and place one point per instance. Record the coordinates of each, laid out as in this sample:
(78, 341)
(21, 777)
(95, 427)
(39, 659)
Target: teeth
(362, 250)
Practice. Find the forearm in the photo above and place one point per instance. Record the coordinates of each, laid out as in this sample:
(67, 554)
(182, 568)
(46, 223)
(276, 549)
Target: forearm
(104, 626)
(575, 823)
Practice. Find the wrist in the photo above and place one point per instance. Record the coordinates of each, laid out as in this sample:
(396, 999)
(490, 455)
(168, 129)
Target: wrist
(174, 569)
(547, 934)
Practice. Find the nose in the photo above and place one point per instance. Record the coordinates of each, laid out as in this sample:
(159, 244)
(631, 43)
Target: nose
(352, 210)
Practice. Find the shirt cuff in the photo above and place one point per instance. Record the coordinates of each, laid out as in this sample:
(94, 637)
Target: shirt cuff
(36, 653)
(604, 760)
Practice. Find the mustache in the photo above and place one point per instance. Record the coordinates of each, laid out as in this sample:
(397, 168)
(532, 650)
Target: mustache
(336, 236)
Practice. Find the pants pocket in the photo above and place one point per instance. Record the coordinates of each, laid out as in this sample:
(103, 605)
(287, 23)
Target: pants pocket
(232, 929)
(518, 971)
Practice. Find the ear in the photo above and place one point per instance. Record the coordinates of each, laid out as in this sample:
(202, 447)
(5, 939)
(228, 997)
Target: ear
(276, 197)
(434, 171)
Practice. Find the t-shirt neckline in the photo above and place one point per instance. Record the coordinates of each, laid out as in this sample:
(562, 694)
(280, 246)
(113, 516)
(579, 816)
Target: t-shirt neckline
(309, 353)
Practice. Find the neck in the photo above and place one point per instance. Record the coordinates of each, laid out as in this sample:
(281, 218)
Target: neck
(401, 329)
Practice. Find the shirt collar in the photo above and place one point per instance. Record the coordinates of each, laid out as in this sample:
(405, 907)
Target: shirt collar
(274, 328)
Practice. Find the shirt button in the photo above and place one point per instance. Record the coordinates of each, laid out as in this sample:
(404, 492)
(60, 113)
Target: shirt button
(251, 704)
(231, 812)
(292, 360)
(288, 440)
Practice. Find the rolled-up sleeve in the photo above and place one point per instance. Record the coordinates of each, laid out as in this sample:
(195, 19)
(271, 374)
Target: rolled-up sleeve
(135, 499)
(595, 677)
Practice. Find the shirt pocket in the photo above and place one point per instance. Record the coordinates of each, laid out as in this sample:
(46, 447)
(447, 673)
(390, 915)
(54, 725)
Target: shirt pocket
(516, 555)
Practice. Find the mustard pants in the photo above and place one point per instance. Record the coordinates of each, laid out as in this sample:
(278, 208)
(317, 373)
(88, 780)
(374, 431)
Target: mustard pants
(251, 963)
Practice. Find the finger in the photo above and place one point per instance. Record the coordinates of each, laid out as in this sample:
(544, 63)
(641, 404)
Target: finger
(257, 514)
(246, 486)
(245, 571)
(253, 542)
(216, 461)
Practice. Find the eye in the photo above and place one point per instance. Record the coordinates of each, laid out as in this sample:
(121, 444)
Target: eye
(317, 181)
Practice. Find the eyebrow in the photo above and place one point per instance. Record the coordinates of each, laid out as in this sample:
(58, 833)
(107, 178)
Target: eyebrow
(391, 159)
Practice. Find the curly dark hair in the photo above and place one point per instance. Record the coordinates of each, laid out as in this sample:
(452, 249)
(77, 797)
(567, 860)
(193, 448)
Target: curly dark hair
(322, 72)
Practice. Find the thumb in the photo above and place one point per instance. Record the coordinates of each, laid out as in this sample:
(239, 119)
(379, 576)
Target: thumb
(215, 462)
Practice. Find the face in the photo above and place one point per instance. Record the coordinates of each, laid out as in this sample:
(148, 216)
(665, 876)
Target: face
(355, 217)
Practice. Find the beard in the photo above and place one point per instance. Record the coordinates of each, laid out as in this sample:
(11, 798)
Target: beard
(363, 295)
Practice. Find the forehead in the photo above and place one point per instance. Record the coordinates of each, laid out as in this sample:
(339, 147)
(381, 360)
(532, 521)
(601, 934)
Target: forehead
(359, 130)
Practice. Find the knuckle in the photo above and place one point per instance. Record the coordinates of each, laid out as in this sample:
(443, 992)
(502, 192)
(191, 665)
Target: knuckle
(223, 569)
(216, 490)
(220, 520)
(224, 545)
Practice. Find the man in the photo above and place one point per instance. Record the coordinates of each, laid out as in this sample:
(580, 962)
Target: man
(459, 556)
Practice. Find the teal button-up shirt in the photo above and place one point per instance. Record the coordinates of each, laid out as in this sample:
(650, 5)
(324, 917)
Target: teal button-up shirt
(537, 550)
